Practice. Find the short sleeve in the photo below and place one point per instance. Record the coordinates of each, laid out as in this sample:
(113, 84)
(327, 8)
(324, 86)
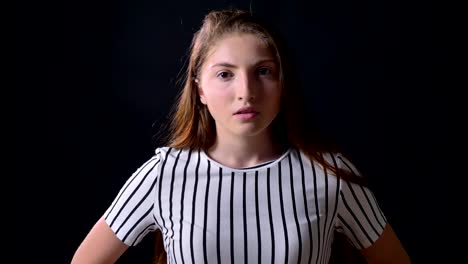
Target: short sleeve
(359, 215)
(130, 215)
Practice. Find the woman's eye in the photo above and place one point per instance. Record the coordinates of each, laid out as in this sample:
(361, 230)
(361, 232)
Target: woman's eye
(223, 75)
(264, 71)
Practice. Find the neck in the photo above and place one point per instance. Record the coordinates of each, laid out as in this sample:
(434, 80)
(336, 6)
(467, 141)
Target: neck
(241, 152)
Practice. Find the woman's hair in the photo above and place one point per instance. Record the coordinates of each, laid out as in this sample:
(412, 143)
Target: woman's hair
(192, 125)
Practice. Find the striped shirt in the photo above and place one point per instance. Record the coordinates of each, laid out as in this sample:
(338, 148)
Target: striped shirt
(285, 210)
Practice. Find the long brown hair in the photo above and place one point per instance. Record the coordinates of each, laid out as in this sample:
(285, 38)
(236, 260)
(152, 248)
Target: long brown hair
(192, 125)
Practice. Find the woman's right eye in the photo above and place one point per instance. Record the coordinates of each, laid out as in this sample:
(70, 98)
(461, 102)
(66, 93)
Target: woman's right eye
(223, 75)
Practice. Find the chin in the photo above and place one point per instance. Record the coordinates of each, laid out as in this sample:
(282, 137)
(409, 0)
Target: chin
(251, 132)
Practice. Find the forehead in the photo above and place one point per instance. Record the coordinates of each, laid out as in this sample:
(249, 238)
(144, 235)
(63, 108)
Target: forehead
(239, 49)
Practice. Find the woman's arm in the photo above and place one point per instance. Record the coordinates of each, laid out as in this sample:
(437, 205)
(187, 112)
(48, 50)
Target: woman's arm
(101, 245)
(387, 249)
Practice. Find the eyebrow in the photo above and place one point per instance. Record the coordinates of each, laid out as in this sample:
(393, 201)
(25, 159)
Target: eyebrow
(228, 65)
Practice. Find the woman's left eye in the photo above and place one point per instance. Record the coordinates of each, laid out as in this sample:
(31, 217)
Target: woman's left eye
(264, 71)
(223, 75)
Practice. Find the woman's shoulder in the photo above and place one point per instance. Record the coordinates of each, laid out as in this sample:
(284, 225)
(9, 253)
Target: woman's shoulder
(332, 157)
(335, 163)
(164, 152)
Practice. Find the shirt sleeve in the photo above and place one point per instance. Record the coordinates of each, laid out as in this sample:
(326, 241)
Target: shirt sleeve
(359, 215)
(130, 215)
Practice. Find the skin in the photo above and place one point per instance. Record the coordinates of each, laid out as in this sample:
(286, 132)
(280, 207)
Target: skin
(100, 246)
(387, 249)
(239, 71)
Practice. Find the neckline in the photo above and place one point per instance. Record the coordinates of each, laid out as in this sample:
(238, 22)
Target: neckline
(259, 166)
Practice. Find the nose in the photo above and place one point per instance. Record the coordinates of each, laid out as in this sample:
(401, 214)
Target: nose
(247, 88)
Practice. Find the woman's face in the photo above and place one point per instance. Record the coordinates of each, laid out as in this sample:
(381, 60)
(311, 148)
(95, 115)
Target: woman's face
(239, 83)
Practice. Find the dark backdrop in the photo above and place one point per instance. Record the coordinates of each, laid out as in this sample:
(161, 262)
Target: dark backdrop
(95, 80)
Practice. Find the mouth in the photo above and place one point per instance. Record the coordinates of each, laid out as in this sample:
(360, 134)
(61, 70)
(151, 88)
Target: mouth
(246, 114)
(246, 110)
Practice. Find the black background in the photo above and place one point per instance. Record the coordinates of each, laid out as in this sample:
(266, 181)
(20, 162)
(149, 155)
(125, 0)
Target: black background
(95, 80)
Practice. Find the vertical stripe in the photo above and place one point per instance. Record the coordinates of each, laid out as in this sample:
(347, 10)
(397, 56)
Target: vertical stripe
(272, 230)
(182, 202)
(257, 209)
(218, 231)
(335, 208)
(293, 198)
(193, 206)
(171, 192)
(245, 220)
(326, 213)
(280, 185)
(173, 251)
(332, 223)
(163, 227)
(232, 217)
(206, 212)
(304, 195)
(317, 211)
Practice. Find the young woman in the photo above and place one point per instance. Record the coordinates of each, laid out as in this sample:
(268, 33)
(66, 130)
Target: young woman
(241, 180)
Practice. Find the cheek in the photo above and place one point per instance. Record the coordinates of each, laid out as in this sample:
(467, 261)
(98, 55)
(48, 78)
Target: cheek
(218, 100)
(219, 94)
(273, 93)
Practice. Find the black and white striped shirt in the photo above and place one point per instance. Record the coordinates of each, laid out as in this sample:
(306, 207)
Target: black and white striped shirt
(284, 211)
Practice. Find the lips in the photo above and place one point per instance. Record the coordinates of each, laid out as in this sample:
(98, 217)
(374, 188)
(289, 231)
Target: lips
(246, 114)
(246, 110)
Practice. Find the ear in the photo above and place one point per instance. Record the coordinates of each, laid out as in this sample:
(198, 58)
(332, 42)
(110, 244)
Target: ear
(200, 91)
